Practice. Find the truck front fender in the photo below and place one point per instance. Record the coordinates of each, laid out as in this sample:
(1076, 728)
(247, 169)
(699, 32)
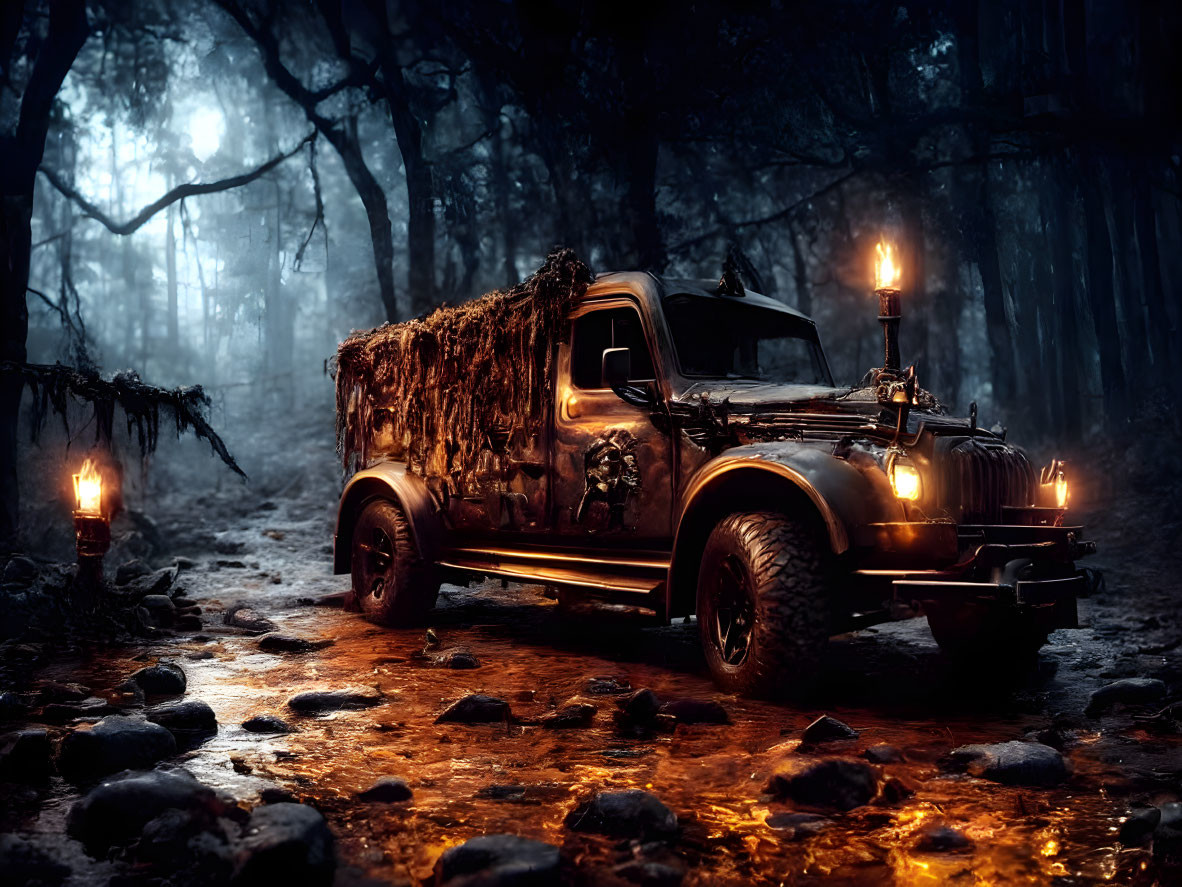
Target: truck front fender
(800, 480)
(387, 480)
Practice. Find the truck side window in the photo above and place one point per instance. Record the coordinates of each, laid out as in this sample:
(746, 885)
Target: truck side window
(608, 328)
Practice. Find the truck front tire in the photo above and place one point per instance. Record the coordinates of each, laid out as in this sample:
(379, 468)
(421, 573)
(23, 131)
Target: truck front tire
(393, 585)
(763, 611)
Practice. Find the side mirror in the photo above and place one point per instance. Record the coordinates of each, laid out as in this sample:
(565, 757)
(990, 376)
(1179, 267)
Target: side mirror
(617, 367)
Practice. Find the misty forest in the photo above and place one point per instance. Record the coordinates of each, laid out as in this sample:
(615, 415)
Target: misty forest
(201, 199)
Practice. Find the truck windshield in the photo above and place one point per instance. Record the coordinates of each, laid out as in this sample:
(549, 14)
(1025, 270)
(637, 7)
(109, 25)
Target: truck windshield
(729, 339)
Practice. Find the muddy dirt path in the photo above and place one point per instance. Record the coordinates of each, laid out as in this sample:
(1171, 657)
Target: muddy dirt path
(521, 777)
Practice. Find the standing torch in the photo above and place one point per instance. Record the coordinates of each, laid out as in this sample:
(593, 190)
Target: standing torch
(890, 309)
(92, 523)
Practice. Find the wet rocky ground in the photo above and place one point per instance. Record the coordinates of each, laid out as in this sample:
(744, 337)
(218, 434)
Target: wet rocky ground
(241, 725)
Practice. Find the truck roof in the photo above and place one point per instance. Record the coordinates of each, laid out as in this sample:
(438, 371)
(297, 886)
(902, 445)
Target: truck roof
(708, 289)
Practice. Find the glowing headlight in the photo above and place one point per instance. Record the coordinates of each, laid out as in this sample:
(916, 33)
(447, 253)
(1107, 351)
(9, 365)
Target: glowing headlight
(1061, 490)
(904, 480)
(1054, 477)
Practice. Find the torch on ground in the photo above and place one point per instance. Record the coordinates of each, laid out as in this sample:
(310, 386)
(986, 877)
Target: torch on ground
(92, 529)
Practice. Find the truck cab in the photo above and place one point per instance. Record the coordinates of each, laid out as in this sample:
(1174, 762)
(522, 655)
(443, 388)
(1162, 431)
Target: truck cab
(696, 459)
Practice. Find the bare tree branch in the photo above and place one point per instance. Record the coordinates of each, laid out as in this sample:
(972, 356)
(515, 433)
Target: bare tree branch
(180, 192)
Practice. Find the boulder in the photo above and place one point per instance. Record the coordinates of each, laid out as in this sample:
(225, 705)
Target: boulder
(115, 812)
(1127, 691)
(499, 861)
(795, 826)
(388, 790)
(457, 659)
(641, 706)
(834, 784)
(115, 743)
(274, 794)
(476, 709)
(61, 691)
(1167, 837)
(827, 729)
(694, 711)
(571, 715)
(267, 724)
(285, 844)
(162, 679)
(649, 873)
(132, 569)
(93, 707)
(314, 702)
(1139, 825)
(186, 840)
(1012, 763)
(24, 756)
(19, 571)
(936, 837)
(283, 643)
(626, 814)
(12, 706)
(189, 721)
(883, 754)
(23, 862)
(608, 686)
(160, 609)
(242, 616)
(156, 583)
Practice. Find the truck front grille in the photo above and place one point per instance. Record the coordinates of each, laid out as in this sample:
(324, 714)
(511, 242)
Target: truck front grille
(979, 477)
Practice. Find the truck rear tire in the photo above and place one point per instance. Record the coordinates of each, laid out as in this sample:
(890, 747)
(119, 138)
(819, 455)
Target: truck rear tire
(763, 610)
(393, 585)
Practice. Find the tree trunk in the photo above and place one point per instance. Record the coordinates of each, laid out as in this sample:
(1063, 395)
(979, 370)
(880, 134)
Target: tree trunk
(1056, 204)
(170, 270)
(1161, 352)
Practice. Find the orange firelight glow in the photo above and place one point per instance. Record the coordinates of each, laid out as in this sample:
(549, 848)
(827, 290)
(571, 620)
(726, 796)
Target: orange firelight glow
(88, 489)
(886, 270)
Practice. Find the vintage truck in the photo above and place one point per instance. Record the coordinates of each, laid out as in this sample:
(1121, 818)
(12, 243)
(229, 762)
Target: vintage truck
(678, 448)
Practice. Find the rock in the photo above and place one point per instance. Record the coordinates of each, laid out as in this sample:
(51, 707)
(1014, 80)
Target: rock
(795, 826)
(12, 706)
(23, 862)
(114, 812)
(1167, 837)
(314, 702)
(389, 790)
(571, 715)
(938, 838)
(883, 754)
(60, 691)
(1012, 763)
(458, 659)
(161, 610)
(834, 784)
(189, 842)
(695, 711)
(641, 706)
(607, 686)
(115, 743)
(894, 790)
(188, 622)
(132, 569)
(1128, 691)
(267, 724)
(24, 756)
(1139, 825)
(499, 861)
(285, 844)
(93, 707)
(19, 571)
(242, 616)
(151, 584)
(649, 873)
(276, 795)
(827, 729)
(162, 679)
(283, 643)
(188, 721)
(476, 709)
(626, 814)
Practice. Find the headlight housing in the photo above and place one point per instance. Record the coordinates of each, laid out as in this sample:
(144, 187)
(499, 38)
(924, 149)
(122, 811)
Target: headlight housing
(1054, 482)
(904, 478)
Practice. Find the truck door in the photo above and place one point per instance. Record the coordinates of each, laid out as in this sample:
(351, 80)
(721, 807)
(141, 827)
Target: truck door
(612, 474)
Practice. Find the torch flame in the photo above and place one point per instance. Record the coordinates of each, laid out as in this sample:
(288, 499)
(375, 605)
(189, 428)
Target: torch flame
(1061, 489)
(88, 488)
(886, 271)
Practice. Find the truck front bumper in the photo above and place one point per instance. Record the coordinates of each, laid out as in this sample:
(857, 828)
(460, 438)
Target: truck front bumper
(934, 565)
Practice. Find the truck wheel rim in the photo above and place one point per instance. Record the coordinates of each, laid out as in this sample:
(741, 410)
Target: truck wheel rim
(379, 554)
(734, 613)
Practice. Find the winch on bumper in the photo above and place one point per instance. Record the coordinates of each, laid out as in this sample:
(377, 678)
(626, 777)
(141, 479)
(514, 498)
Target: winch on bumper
(940, 567)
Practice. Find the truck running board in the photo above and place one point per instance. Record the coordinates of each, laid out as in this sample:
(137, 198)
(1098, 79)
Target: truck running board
(620, 576)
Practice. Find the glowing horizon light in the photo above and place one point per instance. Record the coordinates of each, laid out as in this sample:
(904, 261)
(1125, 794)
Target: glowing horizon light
(206, 128)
